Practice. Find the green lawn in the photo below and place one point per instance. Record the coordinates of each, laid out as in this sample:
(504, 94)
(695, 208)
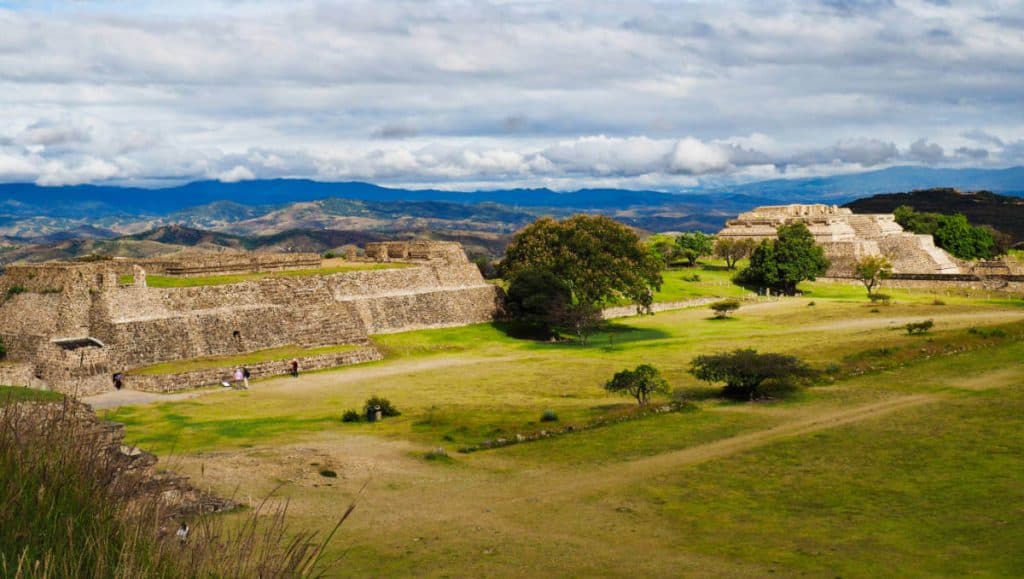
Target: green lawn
(20, 394)
(727, 489)
(248, 359)
(166, 281)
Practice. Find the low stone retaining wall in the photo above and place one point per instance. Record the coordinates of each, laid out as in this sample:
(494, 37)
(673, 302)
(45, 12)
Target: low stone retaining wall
(14, 374)
(948, 283)
(627, 311)
(186, 380)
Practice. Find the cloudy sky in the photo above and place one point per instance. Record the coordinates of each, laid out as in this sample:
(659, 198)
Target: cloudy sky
(653, 94)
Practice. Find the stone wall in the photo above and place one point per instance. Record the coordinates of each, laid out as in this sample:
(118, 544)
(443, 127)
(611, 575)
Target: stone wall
(965, 284)
(213, 376)
(139, 326)
(16, 374)
(201, 264)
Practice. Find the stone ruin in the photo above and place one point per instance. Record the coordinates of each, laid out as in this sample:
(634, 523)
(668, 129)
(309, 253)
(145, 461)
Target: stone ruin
(847, 237)
(73, 325)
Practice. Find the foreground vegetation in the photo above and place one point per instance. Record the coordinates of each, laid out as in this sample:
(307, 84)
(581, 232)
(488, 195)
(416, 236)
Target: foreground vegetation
(902, 457)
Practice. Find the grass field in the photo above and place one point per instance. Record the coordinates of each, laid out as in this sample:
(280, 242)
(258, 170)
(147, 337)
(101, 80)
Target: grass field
(908, 459)
(20, 394)
(336, 266)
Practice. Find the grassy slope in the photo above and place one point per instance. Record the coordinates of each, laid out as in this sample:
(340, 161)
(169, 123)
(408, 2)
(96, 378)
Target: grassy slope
(924, 490)
(21, 394)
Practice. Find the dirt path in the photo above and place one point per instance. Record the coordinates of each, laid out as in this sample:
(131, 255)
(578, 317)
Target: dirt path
(866, 323)
(337, 376)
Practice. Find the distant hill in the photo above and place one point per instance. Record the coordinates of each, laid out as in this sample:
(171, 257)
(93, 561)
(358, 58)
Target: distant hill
(1002, 212)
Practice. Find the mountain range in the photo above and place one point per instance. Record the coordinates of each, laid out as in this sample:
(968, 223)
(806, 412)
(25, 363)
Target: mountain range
(298, 214)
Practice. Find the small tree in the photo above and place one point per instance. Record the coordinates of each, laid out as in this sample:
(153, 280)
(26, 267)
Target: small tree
(871, 270)
(745, 371)
(724, 307)
(916, 328)
(640, 383)
(694, 246)
(733, 249)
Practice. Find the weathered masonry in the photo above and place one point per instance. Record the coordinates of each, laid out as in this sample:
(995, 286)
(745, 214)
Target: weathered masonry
(847, 237)
(75, 324)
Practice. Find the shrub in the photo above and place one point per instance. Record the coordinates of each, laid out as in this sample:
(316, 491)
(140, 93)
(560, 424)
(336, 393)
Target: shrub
(693, 277)
(724, 307)
(386, 409)
(15, 290)
(914, 328)
(640, 383)
(938, 302)
(877, 298)
(987, 333)
(745, 372)
(810, 303)
(328, 473)
(549, 416)
(437, 454)
(330, 255)
(351, 416)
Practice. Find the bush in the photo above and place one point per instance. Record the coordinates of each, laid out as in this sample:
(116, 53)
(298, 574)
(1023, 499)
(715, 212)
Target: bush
(724, 307)
(328, 473)
(987, 333)
(351, 416)
(810, 303)
(330, 255)
(877, 298)
(386, 409)
(549, 416)
(746, 373)
(640, 383)
(693, 277)
(15, 290)
(938, 302)
(915, 328)
(437, 454)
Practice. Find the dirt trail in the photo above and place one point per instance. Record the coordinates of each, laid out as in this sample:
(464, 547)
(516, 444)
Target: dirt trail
(621, 474)
(342, 375)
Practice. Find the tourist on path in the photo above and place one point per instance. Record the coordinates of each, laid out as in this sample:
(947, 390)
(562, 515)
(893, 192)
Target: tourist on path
(239, 378)
(245, 377)
(295, 368)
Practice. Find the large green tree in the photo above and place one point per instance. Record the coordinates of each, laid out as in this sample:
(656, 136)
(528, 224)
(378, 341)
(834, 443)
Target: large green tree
(695, 245)
(596, 259)
(780, 264)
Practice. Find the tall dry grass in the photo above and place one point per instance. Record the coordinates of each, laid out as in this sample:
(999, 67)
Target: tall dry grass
(73, 506)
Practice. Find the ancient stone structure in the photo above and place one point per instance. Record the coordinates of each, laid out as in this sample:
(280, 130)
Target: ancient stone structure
(77, 324)
(847, 237)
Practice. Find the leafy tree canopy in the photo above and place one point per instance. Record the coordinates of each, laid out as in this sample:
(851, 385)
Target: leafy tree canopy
(695, 245)
(745, 371)
(596, 259)
(871, 270)
(782, 263)
(954, 233)
(733, 249)
(640, 383)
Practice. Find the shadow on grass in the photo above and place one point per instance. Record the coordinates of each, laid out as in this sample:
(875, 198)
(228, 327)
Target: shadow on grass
(721, 319)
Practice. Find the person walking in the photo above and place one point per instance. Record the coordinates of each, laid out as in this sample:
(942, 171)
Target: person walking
(239, 378)
(295, 368)
(245, 377)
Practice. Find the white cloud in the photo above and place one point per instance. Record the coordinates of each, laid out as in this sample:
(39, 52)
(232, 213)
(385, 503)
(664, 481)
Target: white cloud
(236, 174)
(563, 93)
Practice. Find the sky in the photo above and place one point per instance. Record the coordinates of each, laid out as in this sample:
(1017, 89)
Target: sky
(496, 93)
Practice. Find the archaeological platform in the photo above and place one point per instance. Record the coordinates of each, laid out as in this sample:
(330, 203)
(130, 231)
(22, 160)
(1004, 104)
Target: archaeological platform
(73, 325)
